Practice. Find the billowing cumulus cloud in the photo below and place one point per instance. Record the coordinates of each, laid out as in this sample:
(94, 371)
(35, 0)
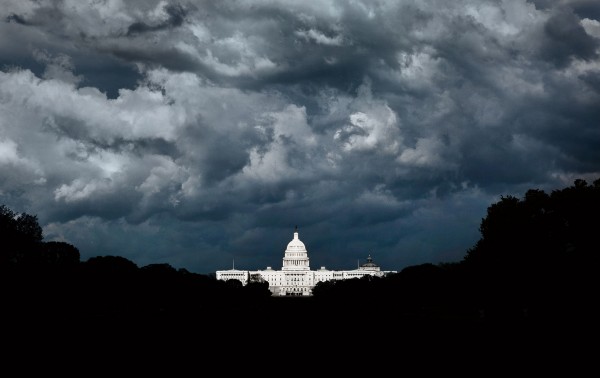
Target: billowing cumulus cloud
(196, 132)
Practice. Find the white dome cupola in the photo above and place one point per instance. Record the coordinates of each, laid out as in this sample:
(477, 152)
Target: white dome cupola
(296, 256)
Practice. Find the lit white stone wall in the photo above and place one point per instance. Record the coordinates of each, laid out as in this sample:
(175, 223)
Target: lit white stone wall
(233, 274)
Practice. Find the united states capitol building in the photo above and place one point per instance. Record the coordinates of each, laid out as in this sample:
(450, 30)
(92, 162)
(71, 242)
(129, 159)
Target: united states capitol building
(295, 277)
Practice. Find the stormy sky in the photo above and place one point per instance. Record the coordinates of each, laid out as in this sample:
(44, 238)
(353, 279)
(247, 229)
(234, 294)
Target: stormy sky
(194, 133)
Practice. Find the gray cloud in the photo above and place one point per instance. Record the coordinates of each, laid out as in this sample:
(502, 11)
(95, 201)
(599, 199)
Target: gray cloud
(175, 16)
(567, 39)
(16, 18)
(193, 133)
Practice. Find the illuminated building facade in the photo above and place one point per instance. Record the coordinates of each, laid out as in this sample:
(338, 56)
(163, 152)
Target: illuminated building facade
(295, 277)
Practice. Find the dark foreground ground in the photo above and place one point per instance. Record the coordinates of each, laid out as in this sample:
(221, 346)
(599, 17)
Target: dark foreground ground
(296, 336)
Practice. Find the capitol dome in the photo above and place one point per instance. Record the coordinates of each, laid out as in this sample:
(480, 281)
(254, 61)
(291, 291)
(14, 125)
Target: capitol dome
(296, 256)
(296, 244)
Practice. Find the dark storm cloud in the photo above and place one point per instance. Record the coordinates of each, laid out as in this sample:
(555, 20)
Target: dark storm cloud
(566, 39)
(176, 18)
(592, 79)
(68, 128)
(167, 57)
(110, 76)
(16, 18)
(586, 8)
(42, 30)
(192, 132)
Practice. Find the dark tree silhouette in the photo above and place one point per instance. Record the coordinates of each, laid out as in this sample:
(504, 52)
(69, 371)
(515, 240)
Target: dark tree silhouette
(20, 234)
(59, 254)
(539, 252)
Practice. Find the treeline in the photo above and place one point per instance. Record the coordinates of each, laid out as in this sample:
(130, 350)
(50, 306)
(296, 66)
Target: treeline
(48, 280)
(537, 259)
